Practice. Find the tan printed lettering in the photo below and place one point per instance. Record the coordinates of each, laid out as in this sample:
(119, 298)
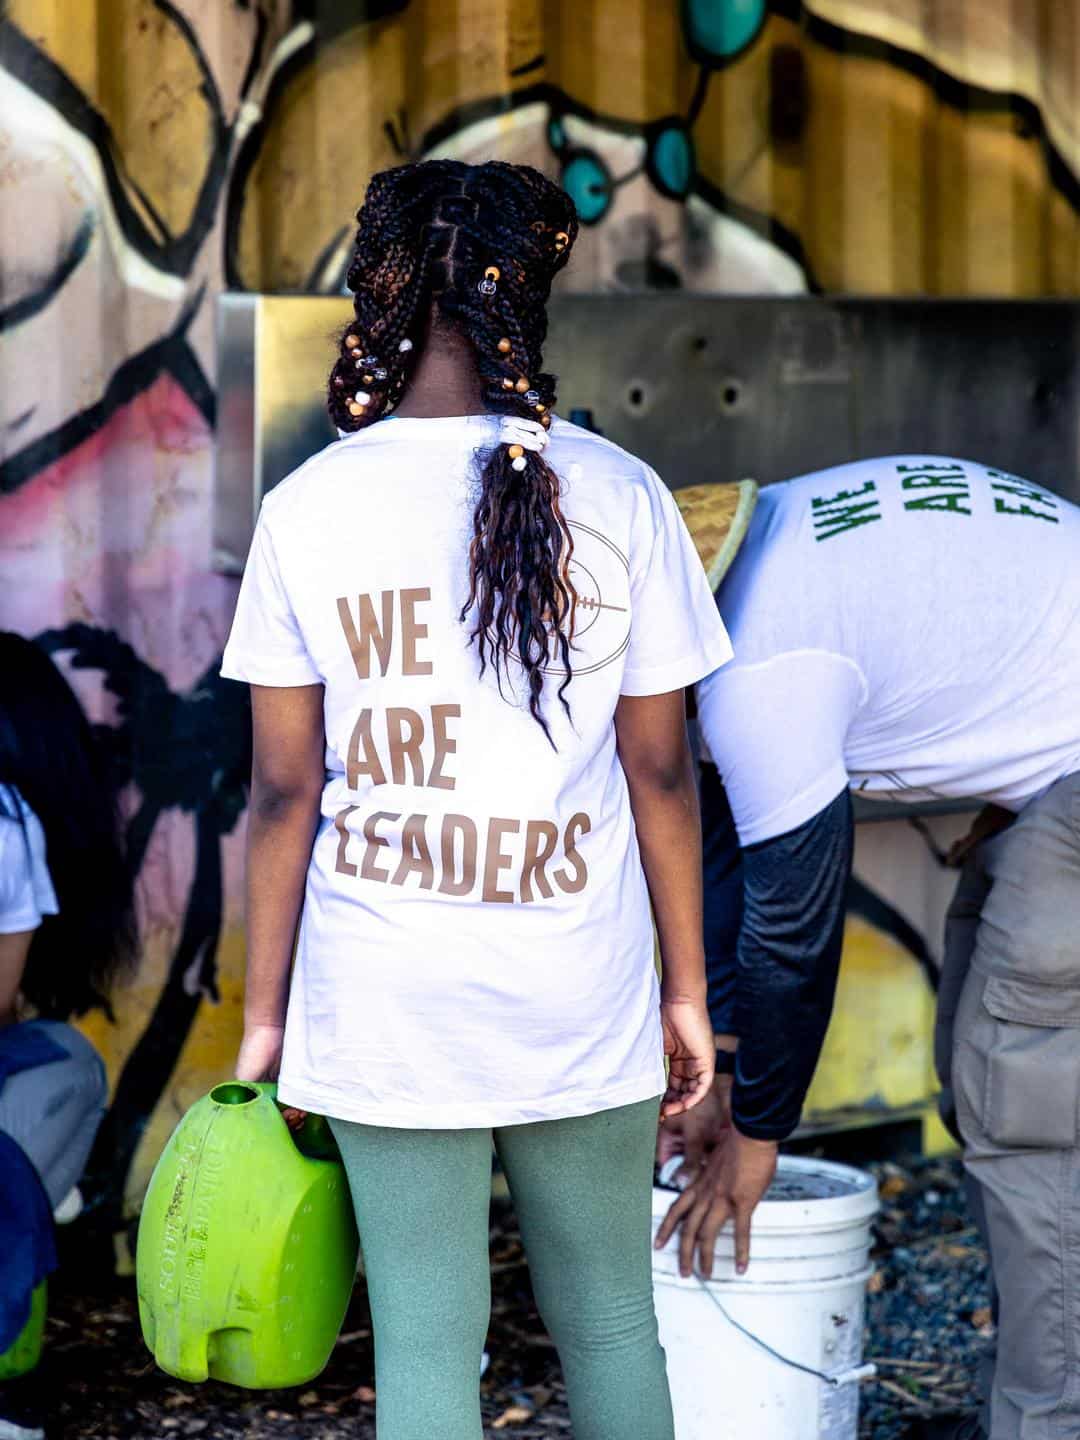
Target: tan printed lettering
(360, 643)
(363, 758)
(401, 747)
(541, 837)
(415, 855)
(579, 825)
(496, 860)
(444, 746)
(452, 883)
(412, 631)
(369, 869)
(341, 820)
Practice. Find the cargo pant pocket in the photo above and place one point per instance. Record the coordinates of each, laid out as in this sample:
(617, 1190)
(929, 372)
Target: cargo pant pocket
(1032, 1093)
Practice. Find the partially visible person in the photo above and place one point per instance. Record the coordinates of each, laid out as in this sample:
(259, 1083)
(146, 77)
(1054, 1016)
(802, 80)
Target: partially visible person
(909, 627)
(66, 929)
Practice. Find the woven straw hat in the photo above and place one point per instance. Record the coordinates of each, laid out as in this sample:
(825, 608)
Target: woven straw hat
(718, 517)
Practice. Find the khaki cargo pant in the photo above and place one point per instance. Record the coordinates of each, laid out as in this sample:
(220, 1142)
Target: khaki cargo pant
(1008, 1053)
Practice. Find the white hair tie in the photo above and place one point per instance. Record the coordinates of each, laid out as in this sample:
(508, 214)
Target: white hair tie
(521, 435)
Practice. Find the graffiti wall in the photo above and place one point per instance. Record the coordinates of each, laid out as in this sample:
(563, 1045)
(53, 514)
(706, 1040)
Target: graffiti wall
(154, 152)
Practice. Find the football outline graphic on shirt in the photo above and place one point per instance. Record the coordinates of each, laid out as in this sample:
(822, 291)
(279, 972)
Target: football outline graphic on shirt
(598, 569)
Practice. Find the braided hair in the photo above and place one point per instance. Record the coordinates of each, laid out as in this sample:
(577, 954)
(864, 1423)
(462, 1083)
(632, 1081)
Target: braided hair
(482, 243)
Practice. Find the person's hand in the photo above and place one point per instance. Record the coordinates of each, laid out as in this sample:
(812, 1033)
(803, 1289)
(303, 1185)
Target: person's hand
(260, 1059)
(729, 1187)
(691, 1052)
(695, 1132)
(990, 821)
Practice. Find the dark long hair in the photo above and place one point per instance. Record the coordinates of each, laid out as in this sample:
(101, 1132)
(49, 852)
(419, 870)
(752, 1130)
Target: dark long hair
(49, 755)
(431, 235)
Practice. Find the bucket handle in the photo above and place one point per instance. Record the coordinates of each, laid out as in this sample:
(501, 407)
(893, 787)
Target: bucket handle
(834, 1382)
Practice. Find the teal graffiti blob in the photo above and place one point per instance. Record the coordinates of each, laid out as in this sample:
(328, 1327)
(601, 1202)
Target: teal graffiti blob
(716, 30)
(586, 180)
(671, 160)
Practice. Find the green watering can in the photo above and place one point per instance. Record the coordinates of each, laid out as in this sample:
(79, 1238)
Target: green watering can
(24, 1352)
(247, 1244)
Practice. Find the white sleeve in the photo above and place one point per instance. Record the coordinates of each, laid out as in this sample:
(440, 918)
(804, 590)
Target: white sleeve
(265, 645)
(19, 898)
(676, 634)
(776, 732)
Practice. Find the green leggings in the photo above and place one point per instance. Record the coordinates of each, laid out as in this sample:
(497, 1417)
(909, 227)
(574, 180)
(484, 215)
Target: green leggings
(581, 1189)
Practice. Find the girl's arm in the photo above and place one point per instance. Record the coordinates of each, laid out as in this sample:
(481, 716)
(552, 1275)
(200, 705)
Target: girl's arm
(655, 754)
(14, 950)
(288, 771)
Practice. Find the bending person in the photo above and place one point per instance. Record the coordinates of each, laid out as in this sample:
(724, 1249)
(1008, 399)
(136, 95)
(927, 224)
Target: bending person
(909, 627)
(467, 626)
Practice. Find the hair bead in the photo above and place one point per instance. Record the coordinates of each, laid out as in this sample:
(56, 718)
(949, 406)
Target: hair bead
(531, 397)
(519, 463)
(515, 451)
(352, 341)
(522, 385)
(355, 409)
(404, 346)
(489, 284)
(504, 346)
(362, 398)
(508, 384)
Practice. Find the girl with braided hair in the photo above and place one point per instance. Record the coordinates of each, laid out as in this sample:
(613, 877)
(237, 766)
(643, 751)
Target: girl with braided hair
(468, 626)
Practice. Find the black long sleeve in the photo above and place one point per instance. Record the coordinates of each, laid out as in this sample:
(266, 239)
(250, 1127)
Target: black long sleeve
(723, 897)
(787, 962)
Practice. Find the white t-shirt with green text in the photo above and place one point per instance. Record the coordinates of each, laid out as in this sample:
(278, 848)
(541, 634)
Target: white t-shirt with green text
(476, 946)
(908, 625)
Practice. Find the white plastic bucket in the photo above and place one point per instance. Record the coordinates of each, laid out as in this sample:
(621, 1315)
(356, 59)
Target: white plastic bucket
(803, 1298)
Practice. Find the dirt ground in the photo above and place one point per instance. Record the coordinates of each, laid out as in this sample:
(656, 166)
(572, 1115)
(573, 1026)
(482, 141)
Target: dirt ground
(927, 1318)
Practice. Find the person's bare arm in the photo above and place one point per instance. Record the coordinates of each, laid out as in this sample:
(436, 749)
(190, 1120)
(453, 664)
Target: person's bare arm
(14, 950)
(655, 754)
(286, 788)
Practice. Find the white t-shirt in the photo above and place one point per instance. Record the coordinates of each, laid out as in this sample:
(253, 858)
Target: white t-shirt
(476, 944)
(26, 888)
(908, 625)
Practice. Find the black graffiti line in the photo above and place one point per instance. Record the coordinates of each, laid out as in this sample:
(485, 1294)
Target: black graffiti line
(329, 23)
(697, 100)
(40, 73)
(22, 310)
(884, 916)
(536, 63)
(170, 355)
(317, 280)
(961, 95)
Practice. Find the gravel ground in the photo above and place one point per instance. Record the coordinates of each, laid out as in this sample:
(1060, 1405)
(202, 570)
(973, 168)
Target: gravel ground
(927, 1319)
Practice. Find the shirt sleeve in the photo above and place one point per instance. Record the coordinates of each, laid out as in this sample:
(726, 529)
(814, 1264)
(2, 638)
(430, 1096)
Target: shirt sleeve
(676, 634)
(26, 892)
(788, 959)
(776, 732)
(266, 646)
(722, 872)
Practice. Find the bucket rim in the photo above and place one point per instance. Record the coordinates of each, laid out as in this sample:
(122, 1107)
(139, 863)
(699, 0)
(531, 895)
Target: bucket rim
(855, 1207)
